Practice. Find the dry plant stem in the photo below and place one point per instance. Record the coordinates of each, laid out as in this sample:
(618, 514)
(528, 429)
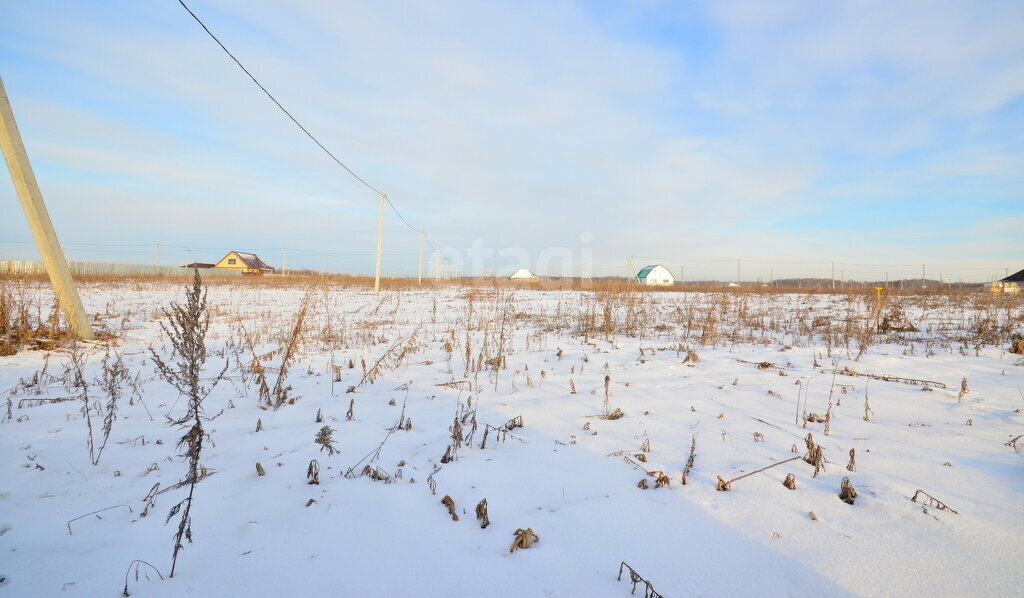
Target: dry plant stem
(70, 521)
(931, 501)
(280, 391)
(634, 578)
(729, 482)
(386, 353)
(887, 378)
(186, 327)
(689, 461)
(114, 372)
(136, 563)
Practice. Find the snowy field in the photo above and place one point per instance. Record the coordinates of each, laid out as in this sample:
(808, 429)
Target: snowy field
(432, 375)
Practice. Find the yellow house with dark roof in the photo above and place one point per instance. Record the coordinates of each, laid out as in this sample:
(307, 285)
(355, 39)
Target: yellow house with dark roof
(248, 263)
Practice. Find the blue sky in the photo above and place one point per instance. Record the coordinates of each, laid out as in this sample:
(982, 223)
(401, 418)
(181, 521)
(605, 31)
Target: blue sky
(790, 135)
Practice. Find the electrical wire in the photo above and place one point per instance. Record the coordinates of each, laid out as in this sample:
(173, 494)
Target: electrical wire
(300, 125)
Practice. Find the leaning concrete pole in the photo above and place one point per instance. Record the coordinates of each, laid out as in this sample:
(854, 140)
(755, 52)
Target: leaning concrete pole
(39, 220)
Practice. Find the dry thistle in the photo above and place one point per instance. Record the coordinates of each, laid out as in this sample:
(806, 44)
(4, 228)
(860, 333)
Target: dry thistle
(319, 417)
(790, 481)
(662, 480)
(963, 389)
(349, 415)
(815, 455)
(259, 424)
(572, 386)
(260, 471)
(325, 438)
(186, 326)
(852, 465)
(313, 473)
(847, 492)
(448, 502)
(481, 514)
(524, 539)
(722, 485)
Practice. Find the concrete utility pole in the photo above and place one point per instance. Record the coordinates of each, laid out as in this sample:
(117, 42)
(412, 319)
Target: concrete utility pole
(380, 245)
(38, 218)
(419, 275)
(188, 257)
(284, 260)
(158, 255)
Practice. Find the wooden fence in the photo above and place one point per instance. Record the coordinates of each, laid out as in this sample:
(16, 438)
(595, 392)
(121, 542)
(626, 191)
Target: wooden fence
(23, 267)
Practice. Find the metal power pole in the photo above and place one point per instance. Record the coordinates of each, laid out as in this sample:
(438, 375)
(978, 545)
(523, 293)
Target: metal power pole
(38, 218)
(380, 245)
(419, 275)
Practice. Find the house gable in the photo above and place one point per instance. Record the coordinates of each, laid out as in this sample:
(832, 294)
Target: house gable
(247, 262)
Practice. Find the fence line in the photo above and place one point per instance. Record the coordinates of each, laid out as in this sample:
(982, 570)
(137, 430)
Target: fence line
(21, 267)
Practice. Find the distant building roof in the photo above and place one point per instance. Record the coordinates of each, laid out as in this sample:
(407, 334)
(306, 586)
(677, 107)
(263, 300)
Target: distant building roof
(647, 270)
(523, 274)
(1018, 277)
(199, 265)
(252, 261)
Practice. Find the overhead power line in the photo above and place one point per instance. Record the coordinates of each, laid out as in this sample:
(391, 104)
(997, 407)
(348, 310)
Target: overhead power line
(300, 125)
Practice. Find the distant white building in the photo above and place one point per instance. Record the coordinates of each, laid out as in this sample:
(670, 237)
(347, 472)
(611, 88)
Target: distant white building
(523, 274)
(655, 275)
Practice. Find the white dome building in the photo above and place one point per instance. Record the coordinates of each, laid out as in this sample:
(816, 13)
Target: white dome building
(655, 275)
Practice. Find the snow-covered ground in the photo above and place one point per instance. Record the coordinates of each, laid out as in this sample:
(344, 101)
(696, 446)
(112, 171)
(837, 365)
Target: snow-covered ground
(527, 350)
